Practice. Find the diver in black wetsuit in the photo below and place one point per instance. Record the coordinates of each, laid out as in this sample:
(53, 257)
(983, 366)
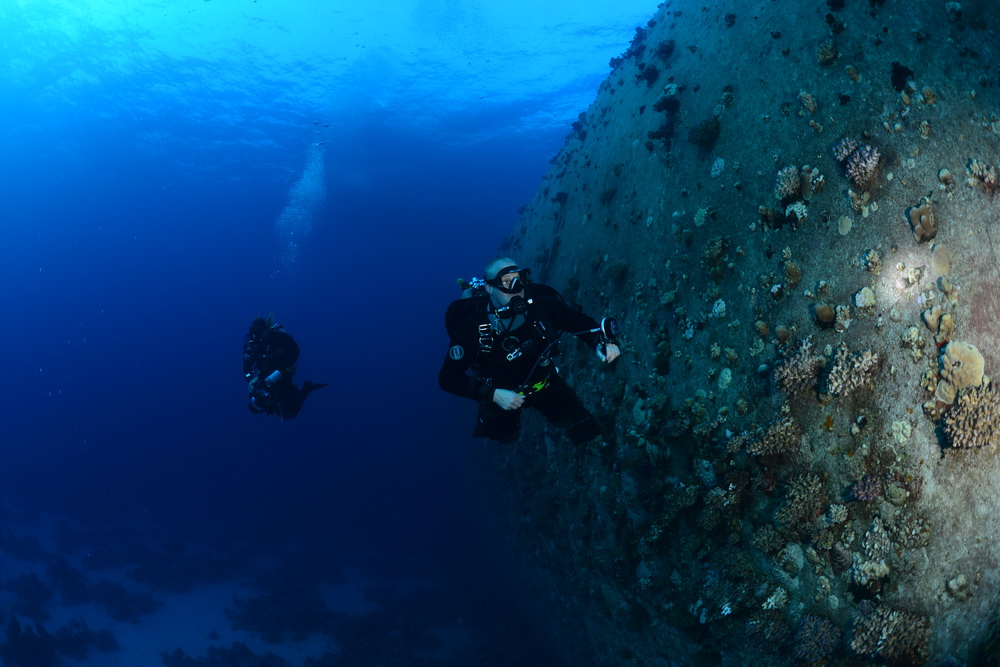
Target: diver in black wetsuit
(269, 356)
(501, 341)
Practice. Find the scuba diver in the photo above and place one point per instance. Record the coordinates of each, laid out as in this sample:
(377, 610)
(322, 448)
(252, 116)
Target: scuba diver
(269, 356)
(503, 335)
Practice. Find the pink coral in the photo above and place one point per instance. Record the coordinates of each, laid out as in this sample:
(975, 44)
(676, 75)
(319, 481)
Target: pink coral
(869, 487)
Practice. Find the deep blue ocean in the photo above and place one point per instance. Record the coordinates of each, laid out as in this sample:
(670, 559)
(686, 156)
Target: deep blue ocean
(173, 169)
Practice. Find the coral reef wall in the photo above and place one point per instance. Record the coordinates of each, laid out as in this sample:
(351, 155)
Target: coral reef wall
(790, 206)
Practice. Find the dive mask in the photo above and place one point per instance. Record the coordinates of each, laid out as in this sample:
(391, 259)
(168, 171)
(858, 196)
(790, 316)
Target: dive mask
(514, 285)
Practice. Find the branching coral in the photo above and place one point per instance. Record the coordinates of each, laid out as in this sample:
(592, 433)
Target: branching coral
(767, 539)
(797, 212)
(798, 370)
(805, 500)
(982, 174)
(909, 528)
(862, 165)
(788, 184)
(779, 438)
(851, 371)
(974, 421)
(874, 565)
(860, 162)
(843, 148)
(869, 487)
(817, 638)
(893, 635)
(769, 627)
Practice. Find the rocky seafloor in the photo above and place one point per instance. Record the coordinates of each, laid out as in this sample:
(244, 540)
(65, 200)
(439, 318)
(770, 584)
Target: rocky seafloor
(790, 208)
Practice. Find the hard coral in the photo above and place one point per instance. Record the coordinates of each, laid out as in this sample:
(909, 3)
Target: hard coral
(974, 421)
(862, 165)
(780, 437)
(768, 539)
(962, 365)
(705, 133)
(982, 174)
(921, 219)
(788, 183)
(843, 148)
(769, 627)
(798, 371)
(851, 371)
(869, 487)
(894, 635)
(826, 53)
(817, 638)
(805, 500)
(868, 570)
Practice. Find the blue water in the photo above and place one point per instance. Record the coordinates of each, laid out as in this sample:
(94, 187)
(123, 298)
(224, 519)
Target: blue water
(172, 169)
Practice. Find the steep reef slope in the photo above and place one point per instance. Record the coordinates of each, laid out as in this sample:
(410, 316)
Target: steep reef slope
(790, 206)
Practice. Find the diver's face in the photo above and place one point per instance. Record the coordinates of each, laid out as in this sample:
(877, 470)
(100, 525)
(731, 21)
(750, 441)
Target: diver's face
(501, 298)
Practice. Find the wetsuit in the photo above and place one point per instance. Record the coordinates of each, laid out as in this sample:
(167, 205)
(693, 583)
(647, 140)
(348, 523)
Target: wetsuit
(487, 352)
(263, 353)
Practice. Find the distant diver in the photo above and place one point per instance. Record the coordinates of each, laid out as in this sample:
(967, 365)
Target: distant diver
(269, 356)
(503, 336)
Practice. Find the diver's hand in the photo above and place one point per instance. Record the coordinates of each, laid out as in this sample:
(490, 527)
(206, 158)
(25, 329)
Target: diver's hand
(608, 352)
(507, 399)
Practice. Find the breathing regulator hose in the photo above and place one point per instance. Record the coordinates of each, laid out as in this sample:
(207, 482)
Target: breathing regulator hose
(609, 336)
